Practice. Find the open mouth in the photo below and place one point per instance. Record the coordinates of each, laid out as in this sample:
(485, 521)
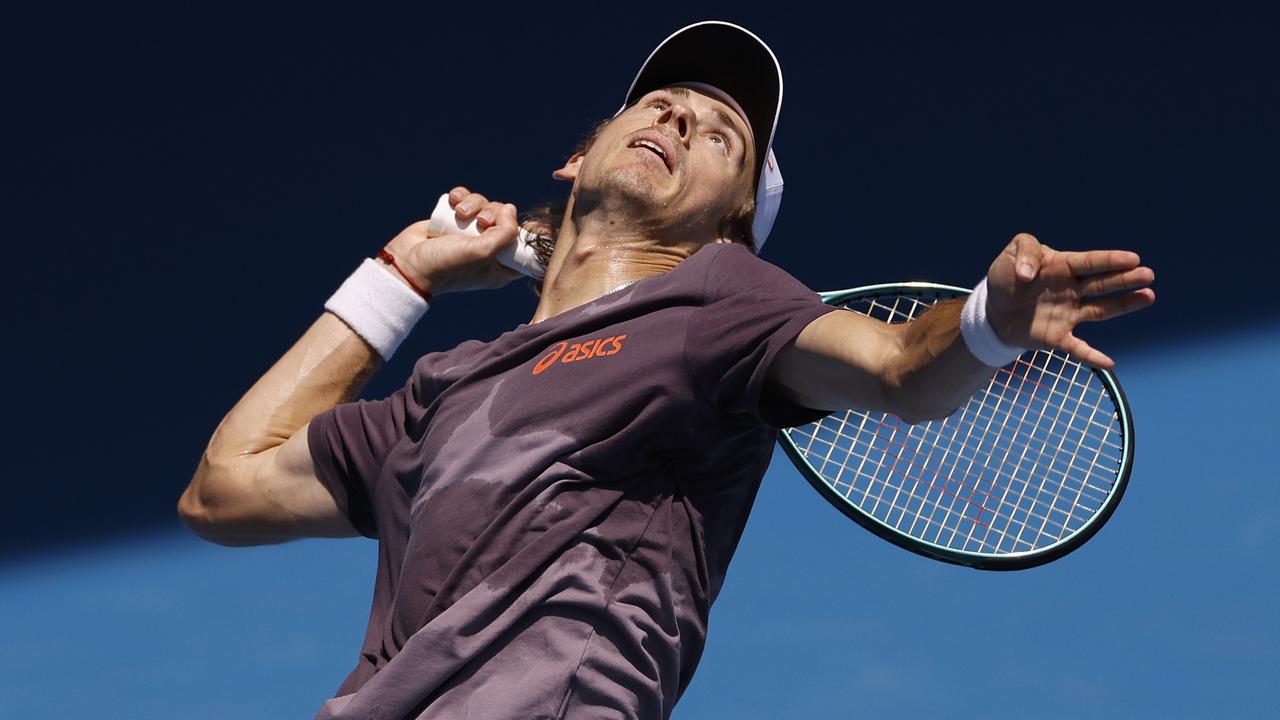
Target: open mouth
(645, 144)
(661, 159)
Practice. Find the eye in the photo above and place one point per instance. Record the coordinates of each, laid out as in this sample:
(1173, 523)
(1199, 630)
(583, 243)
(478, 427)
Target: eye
(725, 142)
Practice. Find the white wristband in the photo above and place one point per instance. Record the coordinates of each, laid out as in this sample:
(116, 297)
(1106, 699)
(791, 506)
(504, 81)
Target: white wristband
(978, 333)
(378, 306)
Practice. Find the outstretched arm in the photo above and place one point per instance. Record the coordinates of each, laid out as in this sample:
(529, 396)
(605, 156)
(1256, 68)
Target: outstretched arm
(923, 369)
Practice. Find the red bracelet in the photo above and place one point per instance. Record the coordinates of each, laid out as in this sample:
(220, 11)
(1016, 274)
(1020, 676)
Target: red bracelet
(390, 259)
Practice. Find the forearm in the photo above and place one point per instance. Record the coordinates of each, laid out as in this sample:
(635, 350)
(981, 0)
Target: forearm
(327, 366)
(934, 372)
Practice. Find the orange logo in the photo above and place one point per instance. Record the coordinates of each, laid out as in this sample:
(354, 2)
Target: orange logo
(566, 353)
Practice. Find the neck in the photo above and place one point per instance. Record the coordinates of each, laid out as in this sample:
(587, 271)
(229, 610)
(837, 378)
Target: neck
(595, 255)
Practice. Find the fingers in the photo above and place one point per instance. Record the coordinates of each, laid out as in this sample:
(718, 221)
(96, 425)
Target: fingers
(1028, 256)
(1104, 283)
(1084, 352)
(468, 205)
(504, 216)
(1100, 261)
(503, 230)
(1107, 308)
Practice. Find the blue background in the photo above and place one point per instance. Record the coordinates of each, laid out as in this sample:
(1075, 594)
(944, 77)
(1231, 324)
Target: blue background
(184, 187)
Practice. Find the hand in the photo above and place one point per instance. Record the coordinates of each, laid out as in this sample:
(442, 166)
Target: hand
(1037, 295)
(453, 262)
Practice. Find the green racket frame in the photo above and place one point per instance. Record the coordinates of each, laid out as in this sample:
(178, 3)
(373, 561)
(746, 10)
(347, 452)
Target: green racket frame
(982, 561)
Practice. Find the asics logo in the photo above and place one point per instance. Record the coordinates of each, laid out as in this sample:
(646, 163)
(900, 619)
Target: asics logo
(576, 352)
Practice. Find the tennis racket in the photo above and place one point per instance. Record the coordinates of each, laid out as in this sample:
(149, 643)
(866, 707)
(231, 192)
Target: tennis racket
(1023, 473)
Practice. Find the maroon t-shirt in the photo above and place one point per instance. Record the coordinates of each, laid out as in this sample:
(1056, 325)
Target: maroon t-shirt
(555, 508)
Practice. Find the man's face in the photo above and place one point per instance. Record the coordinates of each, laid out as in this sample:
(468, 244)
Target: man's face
(702, 173)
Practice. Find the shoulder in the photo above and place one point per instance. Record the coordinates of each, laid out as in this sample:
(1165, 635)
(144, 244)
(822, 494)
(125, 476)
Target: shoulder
(434, 371)
(729, 269)
(726, 254)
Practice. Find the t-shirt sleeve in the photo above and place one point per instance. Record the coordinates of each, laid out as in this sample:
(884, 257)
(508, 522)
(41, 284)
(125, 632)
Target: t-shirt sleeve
(349, 444)
(752, 310)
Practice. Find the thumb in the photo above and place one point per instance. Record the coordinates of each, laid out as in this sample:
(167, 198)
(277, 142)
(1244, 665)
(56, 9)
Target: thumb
(1028, 255)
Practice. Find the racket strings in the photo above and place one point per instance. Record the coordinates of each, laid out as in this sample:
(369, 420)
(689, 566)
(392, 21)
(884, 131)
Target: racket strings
(1036, 419)
(916, 503)
(1016, 438)
(955, 496)
(921, 503)
(1045, 476)
(1074, 455)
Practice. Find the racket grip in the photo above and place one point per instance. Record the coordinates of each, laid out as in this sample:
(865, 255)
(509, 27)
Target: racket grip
(518, 256)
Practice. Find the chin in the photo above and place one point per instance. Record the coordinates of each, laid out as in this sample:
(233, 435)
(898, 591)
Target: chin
(634, 184)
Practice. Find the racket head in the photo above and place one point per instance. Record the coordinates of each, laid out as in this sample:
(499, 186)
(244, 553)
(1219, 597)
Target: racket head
(1024, 472)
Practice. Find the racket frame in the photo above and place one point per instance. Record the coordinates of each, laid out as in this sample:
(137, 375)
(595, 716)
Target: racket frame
(1007, 561)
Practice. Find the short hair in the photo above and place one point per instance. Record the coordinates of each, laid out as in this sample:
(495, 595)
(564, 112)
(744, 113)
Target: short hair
(544, 219)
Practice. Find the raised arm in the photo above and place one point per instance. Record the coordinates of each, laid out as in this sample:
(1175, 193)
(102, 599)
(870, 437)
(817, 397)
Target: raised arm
(244, 491)
(255, 483)
(923, 370)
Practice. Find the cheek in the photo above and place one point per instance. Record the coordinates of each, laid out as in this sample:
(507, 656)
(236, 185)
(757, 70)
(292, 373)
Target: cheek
(715, 170)
(725, 184)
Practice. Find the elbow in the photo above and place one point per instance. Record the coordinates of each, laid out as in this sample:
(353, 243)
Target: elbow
(196, 517)
(200, 522)
(193, 515)
(196, 507)
(193, 511)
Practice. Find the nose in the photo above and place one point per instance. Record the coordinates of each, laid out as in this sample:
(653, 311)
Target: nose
(681, 119)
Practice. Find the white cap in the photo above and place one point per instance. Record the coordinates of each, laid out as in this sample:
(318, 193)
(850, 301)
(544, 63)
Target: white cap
(735, 64)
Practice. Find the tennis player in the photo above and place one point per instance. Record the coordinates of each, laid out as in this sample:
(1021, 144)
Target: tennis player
(556, 507)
